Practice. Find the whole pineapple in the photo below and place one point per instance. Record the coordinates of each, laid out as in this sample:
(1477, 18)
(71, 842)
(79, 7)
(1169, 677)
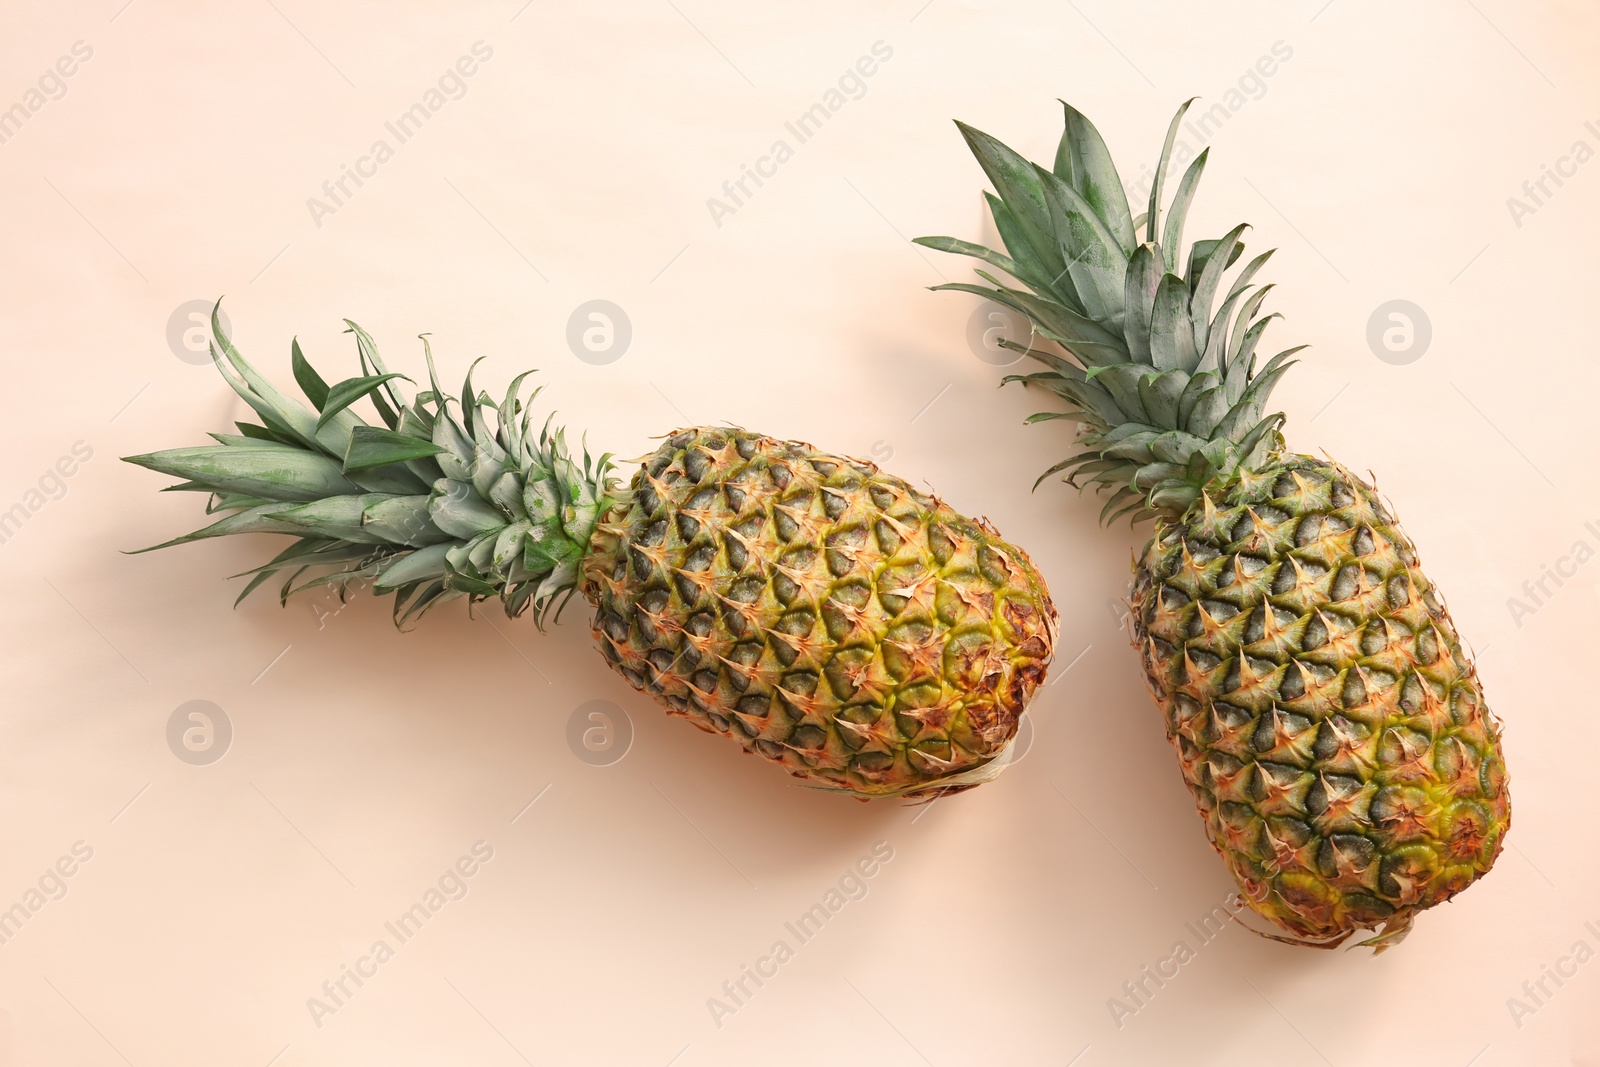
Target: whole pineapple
(1327, 720)
(821, 613)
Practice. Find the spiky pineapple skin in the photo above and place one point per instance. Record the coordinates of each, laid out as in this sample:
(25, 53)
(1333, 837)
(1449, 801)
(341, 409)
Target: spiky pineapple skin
(1328, 723)
(823, 614)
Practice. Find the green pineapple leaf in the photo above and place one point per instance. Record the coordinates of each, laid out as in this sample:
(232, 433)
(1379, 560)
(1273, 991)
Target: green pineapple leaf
(1083, 162)
(1017, 183)
(1171, 333)
(1172, 236)
(373, 446)
(347, 392)
(306, 376)
(1153, 213)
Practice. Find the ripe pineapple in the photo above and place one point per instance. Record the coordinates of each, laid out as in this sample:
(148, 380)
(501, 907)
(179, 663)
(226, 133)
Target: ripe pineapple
(825, 615)
(1327, 720)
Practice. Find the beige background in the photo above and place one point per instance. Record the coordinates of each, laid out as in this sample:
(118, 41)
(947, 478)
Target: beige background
(577, 165)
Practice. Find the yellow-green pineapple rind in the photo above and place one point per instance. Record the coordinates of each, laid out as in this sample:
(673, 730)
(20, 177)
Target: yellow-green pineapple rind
(824, 614)
(1331, 728)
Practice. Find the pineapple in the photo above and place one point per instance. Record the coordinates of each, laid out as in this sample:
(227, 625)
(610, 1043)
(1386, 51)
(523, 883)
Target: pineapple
(823, 614)
(1327, 720)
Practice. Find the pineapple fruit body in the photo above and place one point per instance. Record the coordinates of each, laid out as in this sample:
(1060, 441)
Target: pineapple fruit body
(1330, 726)
(823, 614)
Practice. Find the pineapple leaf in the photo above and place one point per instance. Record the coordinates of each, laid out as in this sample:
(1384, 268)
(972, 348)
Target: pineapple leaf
(254, 520)
(1198, 384)
(1241, 324)
(1175, 446)
(1139, 287)
(1208, 410)
(1153, 213)
(1057, 283)
(415, 566)
(1017, 183)
(260, 433)
(403, 520)
(1249, 272)
(271, 471)
(1171, 334)
(976, 251)
(253, 585)
(1205, 275)
(1202, 252)
(1241, 365)
(460, 512)
(1121, 502)
(1159, 394)
(1083, 162)
(1057, 318)
(1172, 236)
(1171, 401)
(1094, 260)
(373, 446)
(278, 411)
(372, 364)
(334, 517)
(306, 376)
(347, 392)
(1122, 382)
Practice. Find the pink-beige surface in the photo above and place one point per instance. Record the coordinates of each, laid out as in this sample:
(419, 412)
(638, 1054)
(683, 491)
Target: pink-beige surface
(385, 848)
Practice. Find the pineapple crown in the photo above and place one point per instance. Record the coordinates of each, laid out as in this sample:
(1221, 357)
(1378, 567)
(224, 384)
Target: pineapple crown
(1168, 395)
(426, 506)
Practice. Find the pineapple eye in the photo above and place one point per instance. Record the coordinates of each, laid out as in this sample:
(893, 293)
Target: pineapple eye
(652, 536)
(737, 556)
(757, 705)
(696, 465)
